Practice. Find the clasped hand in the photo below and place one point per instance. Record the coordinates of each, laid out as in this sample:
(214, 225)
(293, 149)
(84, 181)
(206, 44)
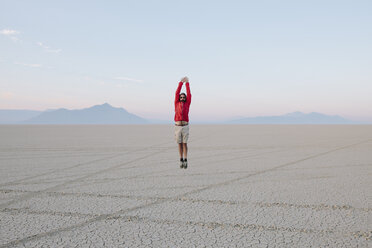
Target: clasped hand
(185, 79)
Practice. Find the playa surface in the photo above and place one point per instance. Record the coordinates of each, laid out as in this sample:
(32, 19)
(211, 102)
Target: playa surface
(246, 186)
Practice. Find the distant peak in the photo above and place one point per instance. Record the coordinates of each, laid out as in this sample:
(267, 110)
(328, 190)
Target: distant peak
(105, 105)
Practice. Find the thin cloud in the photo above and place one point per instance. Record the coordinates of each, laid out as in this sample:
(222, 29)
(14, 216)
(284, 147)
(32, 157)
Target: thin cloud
(9, 32)
(48, 48)
(29, 65)
(128, 79)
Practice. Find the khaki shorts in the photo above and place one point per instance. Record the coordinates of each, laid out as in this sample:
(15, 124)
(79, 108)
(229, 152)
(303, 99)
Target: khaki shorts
(181, 134)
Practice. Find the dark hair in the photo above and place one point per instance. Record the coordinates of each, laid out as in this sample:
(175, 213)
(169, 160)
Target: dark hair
(183, 94)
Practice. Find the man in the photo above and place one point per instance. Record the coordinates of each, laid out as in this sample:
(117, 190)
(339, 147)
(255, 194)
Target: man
(181, 118)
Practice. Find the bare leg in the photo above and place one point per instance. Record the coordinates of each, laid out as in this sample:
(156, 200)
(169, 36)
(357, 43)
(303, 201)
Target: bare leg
(180, 149)
(184, 150)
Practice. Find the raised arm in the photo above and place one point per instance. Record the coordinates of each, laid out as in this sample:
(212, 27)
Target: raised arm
(178, 91)
(188, 98)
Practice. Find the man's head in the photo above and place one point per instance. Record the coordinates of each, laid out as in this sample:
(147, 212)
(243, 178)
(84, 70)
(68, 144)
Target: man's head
(182, 97)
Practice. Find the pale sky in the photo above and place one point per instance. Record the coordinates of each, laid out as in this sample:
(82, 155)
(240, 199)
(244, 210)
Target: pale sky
(243, 58)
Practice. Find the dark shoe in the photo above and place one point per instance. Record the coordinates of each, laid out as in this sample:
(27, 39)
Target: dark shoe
(181, 163)
(185, 164)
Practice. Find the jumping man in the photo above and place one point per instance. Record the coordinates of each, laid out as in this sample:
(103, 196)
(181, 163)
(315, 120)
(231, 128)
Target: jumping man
(181, 118)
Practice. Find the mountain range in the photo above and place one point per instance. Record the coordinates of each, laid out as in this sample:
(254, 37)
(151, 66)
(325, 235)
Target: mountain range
(107, 114)
(98, 114)
(295, 118)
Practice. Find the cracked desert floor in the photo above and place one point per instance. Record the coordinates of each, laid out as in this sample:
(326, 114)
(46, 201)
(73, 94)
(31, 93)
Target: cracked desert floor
(246, 186)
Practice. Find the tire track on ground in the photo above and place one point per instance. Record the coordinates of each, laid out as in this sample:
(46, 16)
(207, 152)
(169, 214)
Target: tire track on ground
(140, 175)
(28, 196)
(19, 181)
(211, 225)
(166, 170)
(317, 207)
(67, 155)
(56, 187)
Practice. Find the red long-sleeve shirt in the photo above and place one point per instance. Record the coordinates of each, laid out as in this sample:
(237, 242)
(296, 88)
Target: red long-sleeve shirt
(182, 108)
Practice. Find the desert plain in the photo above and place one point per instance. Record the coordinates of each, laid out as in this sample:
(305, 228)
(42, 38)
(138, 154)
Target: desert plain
(246, 186)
